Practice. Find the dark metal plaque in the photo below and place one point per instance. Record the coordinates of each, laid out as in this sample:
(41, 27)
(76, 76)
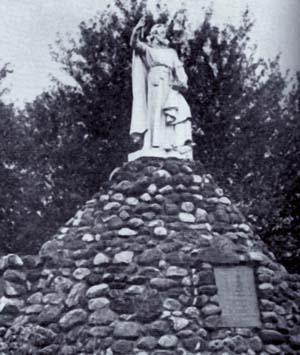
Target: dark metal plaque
(237, 296)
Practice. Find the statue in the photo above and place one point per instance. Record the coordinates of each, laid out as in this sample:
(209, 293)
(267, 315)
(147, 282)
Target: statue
(161, 117)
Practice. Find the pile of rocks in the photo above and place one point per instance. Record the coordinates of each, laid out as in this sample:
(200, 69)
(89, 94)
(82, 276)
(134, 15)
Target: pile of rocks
(133, 273)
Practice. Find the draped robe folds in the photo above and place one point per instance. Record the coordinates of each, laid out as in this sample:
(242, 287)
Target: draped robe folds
(159, 113)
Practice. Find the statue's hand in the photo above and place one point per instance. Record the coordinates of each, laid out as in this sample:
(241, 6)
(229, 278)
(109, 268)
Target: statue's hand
(141, 23)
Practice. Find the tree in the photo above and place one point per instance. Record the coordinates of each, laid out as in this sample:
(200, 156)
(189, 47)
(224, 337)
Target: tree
(14, 176)
(244, 122)
(283, 231)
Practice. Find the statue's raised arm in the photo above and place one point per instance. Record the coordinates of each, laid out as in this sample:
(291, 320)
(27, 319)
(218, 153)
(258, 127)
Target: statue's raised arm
(137, 32)
(161, 117)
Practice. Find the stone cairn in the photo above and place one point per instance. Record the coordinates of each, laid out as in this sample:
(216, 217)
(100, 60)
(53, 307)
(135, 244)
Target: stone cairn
(133, 273)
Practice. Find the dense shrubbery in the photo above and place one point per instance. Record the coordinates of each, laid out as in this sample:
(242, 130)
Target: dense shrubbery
(64, 145)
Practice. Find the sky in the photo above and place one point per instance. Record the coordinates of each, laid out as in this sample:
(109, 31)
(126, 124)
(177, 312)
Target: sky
(28, 27)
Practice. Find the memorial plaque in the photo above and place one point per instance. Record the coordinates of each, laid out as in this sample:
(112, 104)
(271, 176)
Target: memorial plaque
(237, 296)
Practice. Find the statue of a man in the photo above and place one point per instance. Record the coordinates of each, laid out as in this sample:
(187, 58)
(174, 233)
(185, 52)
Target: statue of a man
(161, 117)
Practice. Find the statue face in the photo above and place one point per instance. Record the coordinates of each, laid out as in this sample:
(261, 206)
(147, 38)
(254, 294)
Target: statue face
(159, 32)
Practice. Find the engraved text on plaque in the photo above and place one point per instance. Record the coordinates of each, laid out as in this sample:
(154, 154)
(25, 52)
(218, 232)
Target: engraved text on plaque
(237, 296)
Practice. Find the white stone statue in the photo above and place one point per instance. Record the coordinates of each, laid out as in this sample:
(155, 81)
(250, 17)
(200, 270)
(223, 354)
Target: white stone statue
(161, 117)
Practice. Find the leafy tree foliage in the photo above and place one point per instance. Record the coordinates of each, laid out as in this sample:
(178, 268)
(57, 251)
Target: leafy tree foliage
(246, 124)
(16, 188)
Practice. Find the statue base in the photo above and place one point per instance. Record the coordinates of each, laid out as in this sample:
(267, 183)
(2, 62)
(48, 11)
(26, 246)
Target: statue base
(185, 153)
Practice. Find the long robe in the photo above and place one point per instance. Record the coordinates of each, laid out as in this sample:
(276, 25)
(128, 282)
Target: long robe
(159, 112)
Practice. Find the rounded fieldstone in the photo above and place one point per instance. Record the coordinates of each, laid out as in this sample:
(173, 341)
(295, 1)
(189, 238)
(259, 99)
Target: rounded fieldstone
(100, 259)
(81, 273)
(216, 345)
(168, 341)
(201, 215)
(68, 350)
(212, 322)
(179, 323)
(124, 186)
(182, 179)
(76, 295)
(192, 312)
(146, 197)
(294, 340)
(160, 232)
(166, 190)
(88, 238)
(132, 201)
(104, 198)
(265, 271)
(148, 306)
(135, 290)
(172, 305)
(73, 318)
(53, 298)
(10, 303)
(193, 343)
(100, 331)
(256, 344)
(175, 271)
(115, 222)
(14, 276)
(225, 201)
(49, 314)
(119, 197)
(147, 343)
(152, 189)
(102, 317)
(127, 330)
(162, 284)
(97, 290)
(172, 167)
(156, 223)
(272, 349)
(35, 298)
(127, 232)
(13, 260)
(186, 169)
(161, 174)
(124, 257)
(62, 284)
(111, 205)
(206, 278)
(49, 350)
(186, 217)
(34, 309)
(150, 257)
(98, 303)
(197, 179)
(122, 347)
(158, 328)
(270, 317)
(187, 207)
(135, 222)
(171, 209)
(123, 305)
(211, 309)
(13, 289)
(187, 281)
(269, 336)
(124, 215)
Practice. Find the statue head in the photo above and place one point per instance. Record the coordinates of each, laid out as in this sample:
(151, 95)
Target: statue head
(158, 34)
